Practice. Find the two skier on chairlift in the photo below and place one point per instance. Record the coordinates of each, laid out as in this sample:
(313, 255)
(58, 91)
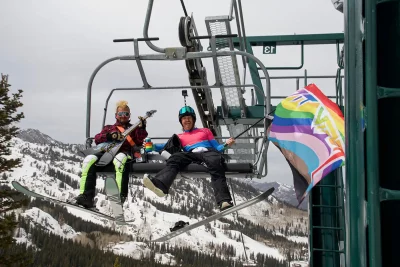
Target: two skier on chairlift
(193, 145)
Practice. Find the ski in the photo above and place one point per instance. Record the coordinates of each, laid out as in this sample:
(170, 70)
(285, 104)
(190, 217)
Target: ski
(243, 205)
(109, 154)
(113, 195)
(26, 191)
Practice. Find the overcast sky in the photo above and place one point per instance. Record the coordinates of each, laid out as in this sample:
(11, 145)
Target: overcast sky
(50, 48)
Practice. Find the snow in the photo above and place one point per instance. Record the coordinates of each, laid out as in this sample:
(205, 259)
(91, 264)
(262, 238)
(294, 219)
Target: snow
(37, 216)
(298, 239)
(147, 221)
(299, 264)
(21, 236)
(136, 250)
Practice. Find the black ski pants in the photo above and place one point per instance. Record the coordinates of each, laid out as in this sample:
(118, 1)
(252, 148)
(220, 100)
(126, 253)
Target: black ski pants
(214, 162)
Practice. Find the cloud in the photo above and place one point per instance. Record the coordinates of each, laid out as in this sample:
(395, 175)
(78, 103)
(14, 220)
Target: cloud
(50, 50)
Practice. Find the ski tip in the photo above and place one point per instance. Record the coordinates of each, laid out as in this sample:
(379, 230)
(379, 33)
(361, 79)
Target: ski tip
(272, 189)
(268, 192)
(15, 183)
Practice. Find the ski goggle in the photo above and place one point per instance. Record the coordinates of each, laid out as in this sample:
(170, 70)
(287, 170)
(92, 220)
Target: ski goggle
(123, 114)
(186, 109)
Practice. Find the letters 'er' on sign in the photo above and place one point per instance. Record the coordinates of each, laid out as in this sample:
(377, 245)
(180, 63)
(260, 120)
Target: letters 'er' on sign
(269, 48)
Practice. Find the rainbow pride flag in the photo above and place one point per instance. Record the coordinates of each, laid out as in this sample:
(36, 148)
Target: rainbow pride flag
(308, 128)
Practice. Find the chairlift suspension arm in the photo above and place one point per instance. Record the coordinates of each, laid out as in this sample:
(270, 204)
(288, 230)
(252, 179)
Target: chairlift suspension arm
(198, 76)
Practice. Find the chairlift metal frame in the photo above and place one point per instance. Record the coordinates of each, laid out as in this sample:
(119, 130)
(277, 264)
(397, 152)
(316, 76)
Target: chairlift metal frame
(182, 53)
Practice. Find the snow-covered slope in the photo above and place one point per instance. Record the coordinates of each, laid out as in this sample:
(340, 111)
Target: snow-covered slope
(52, 168)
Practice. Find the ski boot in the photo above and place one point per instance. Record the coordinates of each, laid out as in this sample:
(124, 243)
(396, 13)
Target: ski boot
(123, 198)
(154, 185)
(178, 225)
(84, 201)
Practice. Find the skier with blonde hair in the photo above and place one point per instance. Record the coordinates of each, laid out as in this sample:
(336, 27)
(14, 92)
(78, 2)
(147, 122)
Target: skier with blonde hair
(111, 133)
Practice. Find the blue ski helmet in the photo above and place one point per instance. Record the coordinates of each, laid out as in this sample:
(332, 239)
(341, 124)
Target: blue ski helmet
(187, 111)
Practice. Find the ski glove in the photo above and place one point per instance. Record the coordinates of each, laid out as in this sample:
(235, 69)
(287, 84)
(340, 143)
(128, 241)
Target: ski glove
(114, 136)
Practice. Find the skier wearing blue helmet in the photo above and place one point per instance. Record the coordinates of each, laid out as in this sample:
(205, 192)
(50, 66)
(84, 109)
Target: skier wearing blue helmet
(196, 145)
(187, 111)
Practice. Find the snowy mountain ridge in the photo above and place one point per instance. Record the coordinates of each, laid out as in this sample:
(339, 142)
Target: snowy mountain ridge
(52, 168)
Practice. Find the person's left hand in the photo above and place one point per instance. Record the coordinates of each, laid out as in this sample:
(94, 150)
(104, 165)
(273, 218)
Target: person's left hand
(230, 141)
(142, 122)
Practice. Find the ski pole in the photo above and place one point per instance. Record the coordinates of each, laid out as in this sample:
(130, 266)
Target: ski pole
(268, 116)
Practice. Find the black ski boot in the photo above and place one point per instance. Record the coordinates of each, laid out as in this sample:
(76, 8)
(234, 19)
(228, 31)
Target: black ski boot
(178, 225)
(123, 198)
(83, 200)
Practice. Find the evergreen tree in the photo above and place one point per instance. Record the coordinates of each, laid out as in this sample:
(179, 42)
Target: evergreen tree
(8, 198)
(8, 118)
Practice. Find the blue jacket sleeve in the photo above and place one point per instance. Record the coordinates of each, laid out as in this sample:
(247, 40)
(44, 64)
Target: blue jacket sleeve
(212, 141)
(216, 145)
(158, 147)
